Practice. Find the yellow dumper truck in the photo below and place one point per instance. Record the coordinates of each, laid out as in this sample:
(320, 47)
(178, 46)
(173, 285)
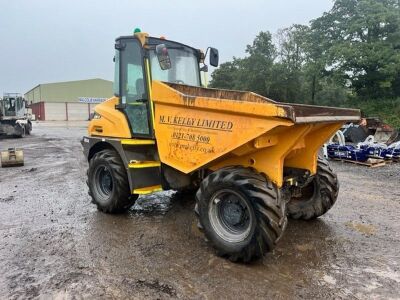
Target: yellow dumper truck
(252, 161)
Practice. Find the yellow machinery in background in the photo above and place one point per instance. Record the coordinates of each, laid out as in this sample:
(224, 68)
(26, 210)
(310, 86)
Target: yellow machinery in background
(12, 158)
(251, 161)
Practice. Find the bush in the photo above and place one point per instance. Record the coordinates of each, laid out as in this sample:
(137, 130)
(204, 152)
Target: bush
(386, 109)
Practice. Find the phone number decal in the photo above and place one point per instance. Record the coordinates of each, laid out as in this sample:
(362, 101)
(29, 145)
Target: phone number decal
(191, 137)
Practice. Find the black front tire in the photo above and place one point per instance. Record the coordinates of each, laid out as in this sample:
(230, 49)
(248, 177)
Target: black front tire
(108, 183)
(261, 220)
(318, 196)
(21, 130)
(28, 128)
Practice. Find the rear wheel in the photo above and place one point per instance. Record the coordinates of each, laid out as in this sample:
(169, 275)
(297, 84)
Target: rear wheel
(108, 183)
(318, 196)
(240, 212)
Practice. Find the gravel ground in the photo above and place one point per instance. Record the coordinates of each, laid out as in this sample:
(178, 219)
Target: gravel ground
(55, 244)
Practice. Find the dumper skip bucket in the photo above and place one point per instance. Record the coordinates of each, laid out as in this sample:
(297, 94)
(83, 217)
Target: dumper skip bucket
(211, 129)
(12, 158)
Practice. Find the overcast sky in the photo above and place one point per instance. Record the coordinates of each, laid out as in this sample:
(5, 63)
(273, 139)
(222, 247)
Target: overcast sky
(52, 40)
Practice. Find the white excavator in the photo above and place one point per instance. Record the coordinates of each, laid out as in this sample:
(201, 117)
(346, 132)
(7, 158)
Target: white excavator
(14, 119)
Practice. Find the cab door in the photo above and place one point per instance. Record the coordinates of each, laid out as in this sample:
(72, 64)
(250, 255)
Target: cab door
(131, 87)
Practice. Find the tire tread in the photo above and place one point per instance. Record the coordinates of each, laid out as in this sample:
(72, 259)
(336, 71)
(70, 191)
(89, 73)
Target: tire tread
(320, 203)
(268, 205)
(123, 199)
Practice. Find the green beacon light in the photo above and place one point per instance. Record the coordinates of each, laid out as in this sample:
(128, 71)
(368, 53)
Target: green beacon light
(137, 30)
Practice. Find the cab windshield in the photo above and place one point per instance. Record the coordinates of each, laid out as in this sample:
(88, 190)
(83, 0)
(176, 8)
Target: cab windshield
(10, 106)
(184, 64)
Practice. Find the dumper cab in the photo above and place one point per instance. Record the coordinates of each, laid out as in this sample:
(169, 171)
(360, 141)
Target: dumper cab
(250, 160)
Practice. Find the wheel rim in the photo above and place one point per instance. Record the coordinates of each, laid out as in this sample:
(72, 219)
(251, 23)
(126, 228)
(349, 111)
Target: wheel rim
(104, 182)
(230, 216)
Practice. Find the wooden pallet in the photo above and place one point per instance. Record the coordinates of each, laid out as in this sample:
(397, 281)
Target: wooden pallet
(392, 161)
(371, 162)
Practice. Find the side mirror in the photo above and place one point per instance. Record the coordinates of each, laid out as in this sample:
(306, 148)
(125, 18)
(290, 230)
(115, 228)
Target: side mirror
(214, 57)
(163, 57)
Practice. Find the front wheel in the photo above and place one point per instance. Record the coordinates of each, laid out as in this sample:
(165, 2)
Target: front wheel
(28, 128)
(318, 196)
(108, 183)
(21, 131)
(241, 213)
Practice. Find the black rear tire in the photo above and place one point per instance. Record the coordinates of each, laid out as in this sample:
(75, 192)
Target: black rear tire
(108, 183)
(318, 196)
(241, 213)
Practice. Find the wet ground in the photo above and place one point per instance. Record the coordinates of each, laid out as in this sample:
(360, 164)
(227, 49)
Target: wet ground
(55, 244)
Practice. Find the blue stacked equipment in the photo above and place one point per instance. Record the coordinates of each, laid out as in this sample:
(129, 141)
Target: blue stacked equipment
(393, 151)
(347, 152)
(374, 150)
(363, 151)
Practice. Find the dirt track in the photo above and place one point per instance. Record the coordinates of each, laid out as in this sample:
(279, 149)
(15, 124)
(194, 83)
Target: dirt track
(54, 243)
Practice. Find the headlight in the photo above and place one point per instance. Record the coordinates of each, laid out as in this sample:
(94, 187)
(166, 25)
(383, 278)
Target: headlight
(96, 115)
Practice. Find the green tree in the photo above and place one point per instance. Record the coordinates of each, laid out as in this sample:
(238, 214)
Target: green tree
(287, 83)
(360, 41)
(225, 76)
(350, 56)
(254, 72)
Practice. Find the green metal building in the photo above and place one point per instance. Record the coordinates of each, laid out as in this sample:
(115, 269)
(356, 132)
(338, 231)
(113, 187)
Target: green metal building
(68, 101)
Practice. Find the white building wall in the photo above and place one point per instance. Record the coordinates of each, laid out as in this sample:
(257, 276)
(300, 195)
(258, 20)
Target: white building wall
(55, 111)
(68, 111)
(78, 111)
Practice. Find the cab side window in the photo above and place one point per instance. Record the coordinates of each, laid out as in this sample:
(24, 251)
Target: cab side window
(133, 88)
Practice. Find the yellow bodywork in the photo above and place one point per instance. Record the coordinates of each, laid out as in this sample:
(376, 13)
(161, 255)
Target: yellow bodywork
(212, 131)
(111, 122)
